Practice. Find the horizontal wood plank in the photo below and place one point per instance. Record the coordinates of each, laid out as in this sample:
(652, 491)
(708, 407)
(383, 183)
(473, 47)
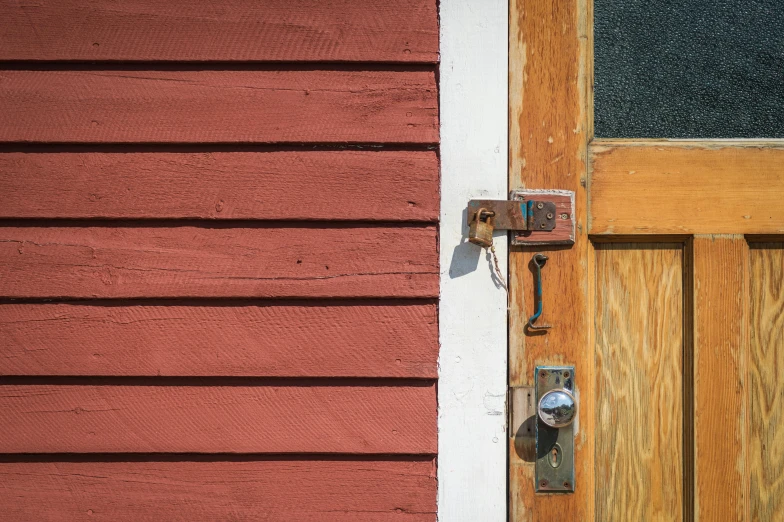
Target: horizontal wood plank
(270, 490)
(187, 261)
(67, 418)
(281, 106)
(335, 185)
(234, 30)
(313, 340)
(687, 188)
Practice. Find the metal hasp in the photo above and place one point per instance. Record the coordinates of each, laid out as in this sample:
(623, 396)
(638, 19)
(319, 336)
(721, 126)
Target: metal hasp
(535, 217)
(556, 411)
(516, 215)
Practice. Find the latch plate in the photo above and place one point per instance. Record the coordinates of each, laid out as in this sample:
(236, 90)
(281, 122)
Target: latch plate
(563, 231)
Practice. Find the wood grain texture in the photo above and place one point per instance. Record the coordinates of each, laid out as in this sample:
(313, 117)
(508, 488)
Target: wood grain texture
(687, 188)
(720, 329)
(550, 79)
(139, 418)
(108, 262)
(766, 360)
(332, 185)
(285, 106)
(287, 340)
(639, 410)
(272, 490)
(235, 30)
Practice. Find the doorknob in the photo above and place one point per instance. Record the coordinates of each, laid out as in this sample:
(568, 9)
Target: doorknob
(557, 408)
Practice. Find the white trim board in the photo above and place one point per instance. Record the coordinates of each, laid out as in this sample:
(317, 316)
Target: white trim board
(472, 445)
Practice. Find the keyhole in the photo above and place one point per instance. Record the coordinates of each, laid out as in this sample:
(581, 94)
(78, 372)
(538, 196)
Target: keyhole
(555, 456)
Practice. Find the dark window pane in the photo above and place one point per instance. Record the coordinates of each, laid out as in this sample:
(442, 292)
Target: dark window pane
(689, 68)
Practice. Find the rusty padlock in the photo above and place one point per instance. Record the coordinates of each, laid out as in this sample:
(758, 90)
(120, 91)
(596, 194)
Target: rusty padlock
(480, 230)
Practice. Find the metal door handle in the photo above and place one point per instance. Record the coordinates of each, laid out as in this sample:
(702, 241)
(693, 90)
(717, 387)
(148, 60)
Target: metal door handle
(539, 260)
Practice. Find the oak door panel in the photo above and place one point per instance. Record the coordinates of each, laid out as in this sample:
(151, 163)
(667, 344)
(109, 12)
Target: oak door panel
(766, 383)
(639, 413)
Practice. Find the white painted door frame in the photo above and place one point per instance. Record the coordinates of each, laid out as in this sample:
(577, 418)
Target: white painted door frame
(472, 446)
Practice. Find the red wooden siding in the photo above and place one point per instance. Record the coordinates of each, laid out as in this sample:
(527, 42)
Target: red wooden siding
(64, 418)
(251, 338)
(291, 185)
(218, 260)
(246, 490)
(191, 261)
(111, 106)
(230, 30)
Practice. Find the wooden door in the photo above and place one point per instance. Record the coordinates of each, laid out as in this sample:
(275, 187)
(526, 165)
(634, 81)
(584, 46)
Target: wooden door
(670, 304)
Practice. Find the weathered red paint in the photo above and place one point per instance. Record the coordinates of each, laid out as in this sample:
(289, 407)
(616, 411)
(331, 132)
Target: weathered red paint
(279, 490)
(195, 195)
(230, 30)
(189, 261)
(213, 418)
(341, 185)
(110, 106)
(322, 339)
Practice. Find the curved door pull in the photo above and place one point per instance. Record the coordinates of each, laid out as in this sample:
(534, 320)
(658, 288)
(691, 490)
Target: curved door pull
(539, 260)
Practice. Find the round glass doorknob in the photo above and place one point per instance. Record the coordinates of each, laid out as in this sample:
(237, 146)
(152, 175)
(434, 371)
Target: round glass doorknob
(557, 408)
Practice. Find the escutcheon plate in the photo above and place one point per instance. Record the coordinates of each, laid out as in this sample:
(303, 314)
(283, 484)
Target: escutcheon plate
(554, 446)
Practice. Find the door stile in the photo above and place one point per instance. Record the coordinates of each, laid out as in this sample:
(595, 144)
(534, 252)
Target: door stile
(721, 310)
(551, 63)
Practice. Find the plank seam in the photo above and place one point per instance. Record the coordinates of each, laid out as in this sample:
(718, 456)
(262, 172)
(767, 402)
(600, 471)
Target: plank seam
(217, 65)
(209, 381)
(13, 458)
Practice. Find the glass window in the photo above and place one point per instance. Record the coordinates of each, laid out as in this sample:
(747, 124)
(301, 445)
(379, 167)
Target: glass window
(689, 68)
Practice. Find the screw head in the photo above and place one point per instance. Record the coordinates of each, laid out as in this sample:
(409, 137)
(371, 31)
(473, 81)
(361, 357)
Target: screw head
(543, 225)
(549, 215)
(540, 206)
(543, 483)
(564, 216)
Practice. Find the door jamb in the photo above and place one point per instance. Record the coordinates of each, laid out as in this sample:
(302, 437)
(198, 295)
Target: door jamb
(472, 442)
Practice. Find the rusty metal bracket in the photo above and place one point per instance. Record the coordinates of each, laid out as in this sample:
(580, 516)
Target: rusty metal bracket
(517, 215)
(535, 217)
